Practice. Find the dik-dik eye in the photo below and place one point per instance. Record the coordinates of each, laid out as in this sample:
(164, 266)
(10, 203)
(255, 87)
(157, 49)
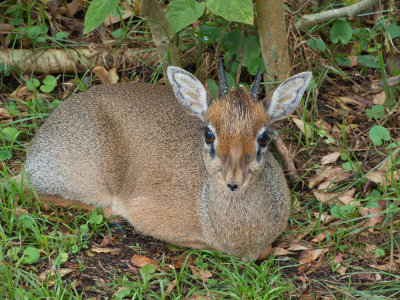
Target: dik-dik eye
(209, 137)
(263, 139)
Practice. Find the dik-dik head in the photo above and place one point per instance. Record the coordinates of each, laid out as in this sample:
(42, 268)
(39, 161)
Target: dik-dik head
(237, 126)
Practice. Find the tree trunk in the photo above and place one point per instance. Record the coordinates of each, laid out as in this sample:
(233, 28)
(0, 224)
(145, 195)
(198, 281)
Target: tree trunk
(273, 39)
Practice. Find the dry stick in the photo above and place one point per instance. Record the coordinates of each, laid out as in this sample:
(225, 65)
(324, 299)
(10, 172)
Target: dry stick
(286, 156)
(348, 11)
(68, 60)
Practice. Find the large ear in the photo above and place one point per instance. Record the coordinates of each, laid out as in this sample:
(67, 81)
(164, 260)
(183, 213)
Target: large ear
(287, 96)
(188, 90)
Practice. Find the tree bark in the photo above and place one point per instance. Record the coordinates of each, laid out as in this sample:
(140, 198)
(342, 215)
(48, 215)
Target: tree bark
(273, 39)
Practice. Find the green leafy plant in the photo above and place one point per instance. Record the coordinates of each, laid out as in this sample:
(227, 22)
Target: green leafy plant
(97, 12)
(378, 134)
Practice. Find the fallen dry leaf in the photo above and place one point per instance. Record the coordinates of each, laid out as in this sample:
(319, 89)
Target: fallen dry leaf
(101, 74)
(373, 220)
(311, 255)
(296, 247)
(133, 269)
(338, 258)
(325, 197)
(330, 158)
(112, 251)
(22, 92)
(6, 28)
(380, 98)
(106, 241)
(72, 8)
(323, 175)
(113, 76)
(380, 177)
(365, 276)
(63, 271)
(111, 19)
(322, 236)
(324, 217)
(179, 261)
(278, 251)
(203, 274)
(170, 287)
(341, 270)
(140, 261)
(302, 126)
(334, 176)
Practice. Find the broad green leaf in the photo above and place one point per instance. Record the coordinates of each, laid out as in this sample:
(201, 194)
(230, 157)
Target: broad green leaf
(49, 83)
(341, 30)
(31, 255)
(10, 133)
(26, 221)
(376, 111)
(370, 61)
(62, 35)
(317, 44)
(233, 10)
(32, 84)
(212, 87)
(393, 30)
(147, 269)
(254, 64)
(13, 253)
(208, 33)
(97, 12)
(251, 50)
(343, 60)
(5, 154)
(230, 42)
(96, 219)
(230, 80)
(378, 134)
(379, 252)
(181, 13)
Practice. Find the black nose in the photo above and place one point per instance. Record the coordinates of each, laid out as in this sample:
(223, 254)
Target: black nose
(233, 186)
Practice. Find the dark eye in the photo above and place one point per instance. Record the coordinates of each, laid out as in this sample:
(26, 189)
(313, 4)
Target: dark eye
(209, 136)
(263, 140)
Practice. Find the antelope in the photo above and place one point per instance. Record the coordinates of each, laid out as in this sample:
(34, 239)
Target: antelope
(192, 172)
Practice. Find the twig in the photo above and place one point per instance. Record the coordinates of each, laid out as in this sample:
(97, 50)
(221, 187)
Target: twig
(348, 11)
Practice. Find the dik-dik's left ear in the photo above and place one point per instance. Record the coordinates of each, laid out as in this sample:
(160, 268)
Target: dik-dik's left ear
(287, 96)
(189, 91)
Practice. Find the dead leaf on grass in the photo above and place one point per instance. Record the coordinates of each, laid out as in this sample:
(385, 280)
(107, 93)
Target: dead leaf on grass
(322, 236)
(312, 255)
(72, 8)
(101, 74)
(203, 274)
(170, 287)
(341, 270)
(112, 251)
(140, 261)
(113, 76)
(325, 197)
(334, 177)
(63, 271)
(106, 241)
(330, 158)
(22, 92)
(296, 247)
(379, 98)
(365, 276)
(325, 217)
(278, 251)
(376, 216)
(338, 258)
(179, 261)
(393, 267)
(380, 177)
(302, 126)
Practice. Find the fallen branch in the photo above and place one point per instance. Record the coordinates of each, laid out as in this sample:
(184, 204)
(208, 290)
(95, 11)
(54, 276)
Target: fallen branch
(69, 60)
(348, 11)
(287, 158)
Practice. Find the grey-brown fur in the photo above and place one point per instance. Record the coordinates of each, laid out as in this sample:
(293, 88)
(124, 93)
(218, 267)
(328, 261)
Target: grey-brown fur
(134, 148)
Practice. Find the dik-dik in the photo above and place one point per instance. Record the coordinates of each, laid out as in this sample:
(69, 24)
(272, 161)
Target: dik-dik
(202, 179)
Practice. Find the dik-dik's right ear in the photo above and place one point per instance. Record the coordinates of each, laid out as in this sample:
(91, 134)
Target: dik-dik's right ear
(287, 96)
(189, 91)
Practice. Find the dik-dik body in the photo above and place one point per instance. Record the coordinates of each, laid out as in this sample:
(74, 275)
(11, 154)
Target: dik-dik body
(204, 179)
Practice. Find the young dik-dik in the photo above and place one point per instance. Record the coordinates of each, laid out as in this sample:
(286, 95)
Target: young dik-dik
(203, 179)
